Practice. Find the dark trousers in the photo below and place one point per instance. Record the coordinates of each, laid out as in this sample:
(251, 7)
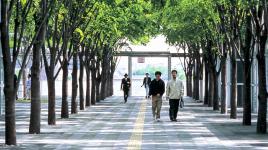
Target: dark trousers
(174, 108)
(126, 94)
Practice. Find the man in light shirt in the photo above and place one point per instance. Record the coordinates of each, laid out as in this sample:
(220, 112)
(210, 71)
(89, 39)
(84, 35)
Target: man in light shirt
(174, 93)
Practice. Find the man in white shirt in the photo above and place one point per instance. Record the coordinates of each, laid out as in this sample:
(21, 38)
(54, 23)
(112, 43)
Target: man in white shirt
(28, 87)
(174, 93)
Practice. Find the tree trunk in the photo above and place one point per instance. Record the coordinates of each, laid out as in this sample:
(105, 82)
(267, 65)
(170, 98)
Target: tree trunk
(51, 102)
(206, 86)
(88, 102)
(189, 84)
(223, 88)
(247, 94)
(103, 90)
(93, 86)
(216, 94)
(262, 97)
(247, 74)
(24, 79)
(64, 102)
(98, 81)
(35, 73)
(9, 87)
(74, 82)
(111, 85)
(233, 114)
(98, 90)
(35, 89)
(197, 80)
(81, 80)
(211, 90)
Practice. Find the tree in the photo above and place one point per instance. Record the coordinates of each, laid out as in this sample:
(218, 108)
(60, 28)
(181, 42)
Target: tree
(259, 13)
(40, 21)
(15, 16)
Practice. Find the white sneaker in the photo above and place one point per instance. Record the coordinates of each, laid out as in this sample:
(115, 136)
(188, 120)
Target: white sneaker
(158, 119)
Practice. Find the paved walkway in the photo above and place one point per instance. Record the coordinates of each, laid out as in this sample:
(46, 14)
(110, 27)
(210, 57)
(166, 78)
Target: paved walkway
(114, 125)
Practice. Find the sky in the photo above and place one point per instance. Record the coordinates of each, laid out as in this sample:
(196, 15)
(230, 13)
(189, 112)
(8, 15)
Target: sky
(156, 44)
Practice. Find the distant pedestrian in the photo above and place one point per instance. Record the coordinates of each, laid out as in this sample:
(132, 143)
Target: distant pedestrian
(125, 86)
(15, 85)
(174, 94)
(28, 87)
(146, 83)
(157, 89)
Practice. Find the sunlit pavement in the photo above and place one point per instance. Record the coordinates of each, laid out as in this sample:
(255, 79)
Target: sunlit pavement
(112, 124)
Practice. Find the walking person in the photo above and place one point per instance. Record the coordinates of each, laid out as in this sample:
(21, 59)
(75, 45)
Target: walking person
(15, 84)
(157, 89)
(174, 94)
(125, 86)
(28, 87)
(146, 83)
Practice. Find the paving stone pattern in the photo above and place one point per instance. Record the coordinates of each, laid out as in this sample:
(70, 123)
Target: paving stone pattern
(111, 124)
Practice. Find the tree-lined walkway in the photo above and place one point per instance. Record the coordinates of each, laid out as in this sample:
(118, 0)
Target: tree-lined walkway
(113, 125)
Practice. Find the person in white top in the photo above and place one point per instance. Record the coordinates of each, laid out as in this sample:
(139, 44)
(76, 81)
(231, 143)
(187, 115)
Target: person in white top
(174, 93)
(28, 87)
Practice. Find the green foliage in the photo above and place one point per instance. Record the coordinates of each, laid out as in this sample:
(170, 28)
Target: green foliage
(23, 2)
(151, 70)
(188, 21)
(80, 34)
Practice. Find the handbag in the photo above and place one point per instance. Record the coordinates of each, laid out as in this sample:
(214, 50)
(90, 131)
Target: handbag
(181, 103)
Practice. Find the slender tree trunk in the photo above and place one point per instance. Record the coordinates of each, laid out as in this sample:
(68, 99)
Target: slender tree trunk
(189, 84)
(9, 87)
(51, 102)
(223, 88)
(216, 93)
(108, 89)
(262, 97)
(93, 86)
(247, 74)
(206, 86)
(233, 114)
(35, 72)
(98, 81)
(197, 80)
(35, 89)
(64, 102)
(24, 79)
(113, 64)
(211, 90)
(74, 82)
(88, 101)
(81, 81)
(247, 94)
(103, 90)
(112, 85)
(98, 90)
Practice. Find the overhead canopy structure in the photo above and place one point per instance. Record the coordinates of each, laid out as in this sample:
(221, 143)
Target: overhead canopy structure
(149, 54)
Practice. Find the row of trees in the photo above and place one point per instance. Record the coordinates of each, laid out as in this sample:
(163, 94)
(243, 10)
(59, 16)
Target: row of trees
(209, 32)
(85, 32)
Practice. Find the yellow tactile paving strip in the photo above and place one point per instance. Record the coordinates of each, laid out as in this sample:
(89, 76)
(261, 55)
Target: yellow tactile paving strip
(136, 137)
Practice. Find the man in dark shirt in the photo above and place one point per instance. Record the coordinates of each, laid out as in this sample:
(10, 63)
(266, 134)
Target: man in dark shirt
(146, 83)
(125, 86)
(157, 89)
